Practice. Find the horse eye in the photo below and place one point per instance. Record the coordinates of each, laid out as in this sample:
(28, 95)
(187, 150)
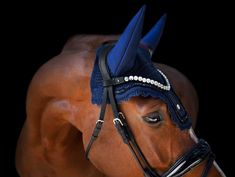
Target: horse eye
(153, 118)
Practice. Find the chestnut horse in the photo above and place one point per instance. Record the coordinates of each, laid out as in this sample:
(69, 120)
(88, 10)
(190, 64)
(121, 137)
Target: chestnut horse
(61, 118)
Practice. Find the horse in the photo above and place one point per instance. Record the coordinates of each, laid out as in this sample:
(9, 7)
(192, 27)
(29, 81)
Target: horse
(55, 140)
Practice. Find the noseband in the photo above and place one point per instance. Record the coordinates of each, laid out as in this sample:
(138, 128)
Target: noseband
(196, 155)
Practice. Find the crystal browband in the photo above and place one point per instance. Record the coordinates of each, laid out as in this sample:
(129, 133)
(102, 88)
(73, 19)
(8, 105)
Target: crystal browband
(121, 80)
(150, 81)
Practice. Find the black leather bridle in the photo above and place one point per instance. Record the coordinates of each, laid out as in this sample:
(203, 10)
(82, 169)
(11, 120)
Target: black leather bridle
(196, 155)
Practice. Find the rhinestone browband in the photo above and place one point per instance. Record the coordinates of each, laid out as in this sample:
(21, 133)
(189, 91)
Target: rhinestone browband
(150, 81)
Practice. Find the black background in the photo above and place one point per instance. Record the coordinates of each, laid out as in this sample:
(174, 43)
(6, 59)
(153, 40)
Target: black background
(194, 42)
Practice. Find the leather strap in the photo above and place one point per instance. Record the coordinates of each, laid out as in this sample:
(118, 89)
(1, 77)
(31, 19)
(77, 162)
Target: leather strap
(209, 164)
(190, 159)
(119, 119)
(99, 123)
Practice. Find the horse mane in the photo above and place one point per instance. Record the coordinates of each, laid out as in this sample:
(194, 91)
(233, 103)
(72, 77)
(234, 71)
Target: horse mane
(72, 66)
(86, 42)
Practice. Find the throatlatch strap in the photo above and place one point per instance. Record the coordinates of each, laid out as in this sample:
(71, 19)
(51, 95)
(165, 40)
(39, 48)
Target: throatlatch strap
(98, 125)
(100, 120)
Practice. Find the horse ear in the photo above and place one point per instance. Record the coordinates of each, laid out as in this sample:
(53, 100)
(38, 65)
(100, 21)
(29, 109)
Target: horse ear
(121, 57)
(152, 38)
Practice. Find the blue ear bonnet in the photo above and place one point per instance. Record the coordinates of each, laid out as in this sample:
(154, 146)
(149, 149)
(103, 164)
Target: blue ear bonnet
(125, 91)
(130, 59)
(143, 67)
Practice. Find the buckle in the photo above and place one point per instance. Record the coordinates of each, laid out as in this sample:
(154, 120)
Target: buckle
(121, 115)
(115, 120)
(119, 118)
(99, 121)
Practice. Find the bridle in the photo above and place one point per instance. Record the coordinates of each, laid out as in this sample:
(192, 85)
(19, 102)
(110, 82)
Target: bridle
(196, 155)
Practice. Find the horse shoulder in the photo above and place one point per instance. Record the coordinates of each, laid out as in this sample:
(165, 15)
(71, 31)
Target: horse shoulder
(184, 89)
(49, 137)
(62, 79)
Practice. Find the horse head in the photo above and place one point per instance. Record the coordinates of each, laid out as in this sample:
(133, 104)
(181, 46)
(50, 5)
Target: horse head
(147, 113)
